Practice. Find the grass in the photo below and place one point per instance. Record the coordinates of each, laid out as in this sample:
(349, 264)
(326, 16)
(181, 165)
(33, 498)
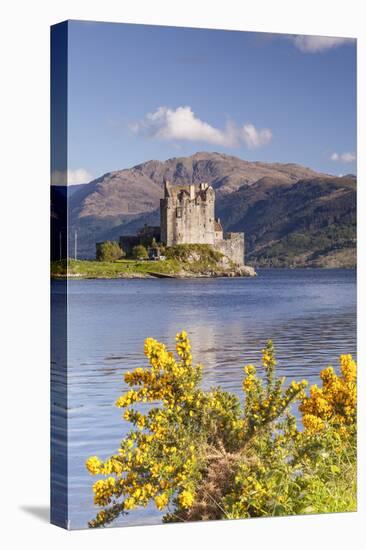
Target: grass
(193, 259)
(340, 493)
(120, 268)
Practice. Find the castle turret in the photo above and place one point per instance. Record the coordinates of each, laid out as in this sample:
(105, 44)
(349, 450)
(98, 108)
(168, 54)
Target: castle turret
(187, 214)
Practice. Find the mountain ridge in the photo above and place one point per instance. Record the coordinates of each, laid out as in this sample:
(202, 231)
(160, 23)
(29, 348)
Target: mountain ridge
(120, 201)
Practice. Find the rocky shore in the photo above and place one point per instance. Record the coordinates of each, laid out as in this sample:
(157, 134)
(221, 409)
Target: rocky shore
(242, 271)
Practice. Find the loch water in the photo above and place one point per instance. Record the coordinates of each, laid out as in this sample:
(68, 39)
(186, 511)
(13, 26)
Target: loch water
(310, 314)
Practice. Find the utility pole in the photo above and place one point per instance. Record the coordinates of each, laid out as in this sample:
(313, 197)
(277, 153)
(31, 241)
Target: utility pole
(76, 245)
(60, 243)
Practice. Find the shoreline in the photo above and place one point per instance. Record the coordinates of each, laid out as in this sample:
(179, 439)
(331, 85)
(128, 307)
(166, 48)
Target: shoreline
(220, 275)
(151, 275)
(194, 266)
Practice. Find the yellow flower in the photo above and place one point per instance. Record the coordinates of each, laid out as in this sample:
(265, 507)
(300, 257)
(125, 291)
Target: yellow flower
(93, 465)
(312, 423)
(248, 384)
(249, 369)
(335, 401)
(104, 490)
(186, 499)
(157, 458)
(348, 367)
(129, 503)
(141, 421)
(161, 501)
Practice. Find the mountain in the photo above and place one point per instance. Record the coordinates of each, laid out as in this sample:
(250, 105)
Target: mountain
(309, 223)
(271, 202)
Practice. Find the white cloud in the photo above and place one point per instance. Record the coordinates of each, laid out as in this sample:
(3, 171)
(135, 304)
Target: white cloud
(343, 157)
(314, 44)
(255, 138)
(182, 124)
(70, 177)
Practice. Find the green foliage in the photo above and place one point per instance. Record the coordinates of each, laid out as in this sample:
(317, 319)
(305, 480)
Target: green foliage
(180, 260)
(194, 252)
(205, 455)
(299, 248)
(108, 251)
(139, 252)
(158, 246)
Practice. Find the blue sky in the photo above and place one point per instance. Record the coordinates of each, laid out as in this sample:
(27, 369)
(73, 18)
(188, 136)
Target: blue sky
(146, 92)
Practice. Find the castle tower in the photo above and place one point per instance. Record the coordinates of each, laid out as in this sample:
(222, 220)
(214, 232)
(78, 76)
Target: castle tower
(187, 214)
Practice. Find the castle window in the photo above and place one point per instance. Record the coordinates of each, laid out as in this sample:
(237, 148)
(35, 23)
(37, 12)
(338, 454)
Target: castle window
(179, 212)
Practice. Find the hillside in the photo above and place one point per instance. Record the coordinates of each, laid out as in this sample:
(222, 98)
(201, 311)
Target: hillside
(275, 204)
(309, 223)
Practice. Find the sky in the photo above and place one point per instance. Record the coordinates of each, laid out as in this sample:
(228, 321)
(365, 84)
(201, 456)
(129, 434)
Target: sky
(138, 92)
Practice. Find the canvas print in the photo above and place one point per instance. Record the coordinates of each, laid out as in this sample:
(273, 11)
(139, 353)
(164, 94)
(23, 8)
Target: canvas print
(203, 264)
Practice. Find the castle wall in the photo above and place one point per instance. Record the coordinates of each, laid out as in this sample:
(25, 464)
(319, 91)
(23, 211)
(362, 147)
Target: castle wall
(232, 245)
(187, 215)
(164, 214)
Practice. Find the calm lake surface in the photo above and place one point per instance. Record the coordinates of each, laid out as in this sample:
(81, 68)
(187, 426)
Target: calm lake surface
(310, 314)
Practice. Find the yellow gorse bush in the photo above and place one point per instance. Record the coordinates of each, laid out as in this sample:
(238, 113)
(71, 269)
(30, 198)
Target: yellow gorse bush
(205, 455)
(157, 458)
(334, 403)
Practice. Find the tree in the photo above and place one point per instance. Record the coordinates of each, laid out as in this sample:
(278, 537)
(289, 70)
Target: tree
(109, 251)
(139, 252)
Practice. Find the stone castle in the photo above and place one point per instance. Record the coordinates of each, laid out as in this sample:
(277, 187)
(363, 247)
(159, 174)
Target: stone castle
(187, 216)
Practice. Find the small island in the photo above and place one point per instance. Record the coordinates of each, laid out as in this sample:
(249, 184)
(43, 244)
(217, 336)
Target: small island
(181, 262)
(190, 242)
